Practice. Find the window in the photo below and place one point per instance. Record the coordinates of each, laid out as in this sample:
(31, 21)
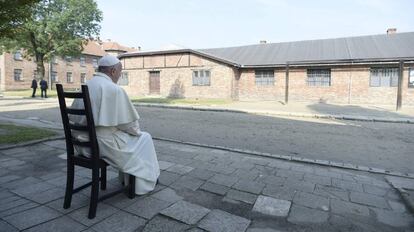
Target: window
(384, 77)
(68, 60)
(69, 78)
(124, 79)
(18, 75)
(54, 77)
(35, 74)
(83, 78)
(95, 62)
(264, 77)
(53, 60)
(201, 77)
(18, 55)
(411, 78)
(82, 61)
(319, 77)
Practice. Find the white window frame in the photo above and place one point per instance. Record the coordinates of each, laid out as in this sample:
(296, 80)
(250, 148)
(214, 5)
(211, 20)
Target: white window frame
(82, 61)
(17, 55)
(411, 78)
(20, 78)
(69, 80)
(201, 77)
(83, 78)
(95, 62)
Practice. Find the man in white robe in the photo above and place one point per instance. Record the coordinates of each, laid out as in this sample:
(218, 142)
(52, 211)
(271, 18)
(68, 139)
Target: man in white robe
(121, 142)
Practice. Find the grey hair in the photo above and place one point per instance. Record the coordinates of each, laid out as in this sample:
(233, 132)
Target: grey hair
(106, 69)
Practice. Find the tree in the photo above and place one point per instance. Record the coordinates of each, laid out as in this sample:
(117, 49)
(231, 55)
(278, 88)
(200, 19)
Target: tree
(14, 14)
(56, 28)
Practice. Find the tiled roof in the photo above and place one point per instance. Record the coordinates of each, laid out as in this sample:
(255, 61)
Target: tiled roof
(93, 48)
(114, 46)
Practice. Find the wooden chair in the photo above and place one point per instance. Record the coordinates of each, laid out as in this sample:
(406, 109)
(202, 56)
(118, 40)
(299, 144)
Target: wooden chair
(95, 163)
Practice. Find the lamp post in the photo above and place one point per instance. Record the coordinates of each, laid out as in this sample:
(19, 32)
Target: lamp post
(52, 55)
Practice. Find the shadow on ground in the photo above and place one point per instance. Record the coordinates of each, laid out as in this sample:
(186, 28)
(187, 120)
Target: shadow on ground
(378, 112)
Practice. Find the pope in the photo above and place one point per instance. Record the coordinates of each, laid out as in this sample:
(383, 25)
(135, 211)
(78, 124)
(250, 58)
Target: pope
(121, 142)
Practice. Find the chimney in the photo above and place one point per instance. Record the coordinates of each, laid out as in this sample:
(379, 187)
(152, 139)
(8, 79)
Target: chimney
(139, 48)
(391, 31)
(263, 41)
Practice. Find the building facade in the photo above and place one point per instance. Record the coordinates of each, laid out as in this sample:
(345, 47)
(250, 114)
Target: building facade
(17, 73)
(355, 70)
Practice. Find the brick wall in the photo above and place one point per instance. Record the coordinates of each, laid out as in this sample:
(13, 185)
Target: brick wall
(8, 64)
(176, 76)
(349, 84)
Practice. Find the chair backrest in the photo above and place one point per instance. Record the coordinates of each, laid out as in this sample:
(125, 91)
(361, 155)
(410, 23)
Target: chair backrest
(70, 126)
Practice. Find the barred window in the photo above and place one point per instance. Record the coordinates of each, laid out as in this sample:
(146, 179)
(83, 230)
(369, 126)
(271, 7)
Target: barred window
(18, 75)
(83, 78)
(18, 55)
(384, 77)
(124, 79)
(82, 61)
(319, 77)
(265, 77)
(411, 78)
(69, 77)
(201, 77)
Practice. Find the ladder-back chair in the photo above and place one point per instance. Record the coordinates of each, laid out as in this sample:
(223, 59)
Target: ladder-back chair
(94, 162)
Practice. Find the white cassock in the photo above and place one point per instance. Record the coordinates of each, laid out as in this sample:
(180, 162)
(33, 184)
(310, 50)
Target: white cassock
(121, 143)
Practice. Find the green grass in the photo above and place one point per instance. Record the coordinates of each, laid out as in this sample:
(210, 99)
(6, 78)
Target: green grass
(28, 93)
(189, 101)
(11, 134)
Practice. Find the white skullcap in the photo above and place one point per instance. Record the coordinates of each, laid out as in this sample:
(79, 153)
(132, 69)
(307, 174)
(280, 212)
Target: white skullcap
(108, 60)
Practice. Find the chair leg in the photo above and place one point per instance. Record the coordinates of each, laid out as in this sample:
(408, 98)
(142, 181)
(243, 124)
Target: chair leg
(103, 178)
(94, 193)
(70, 176)
(131, 187)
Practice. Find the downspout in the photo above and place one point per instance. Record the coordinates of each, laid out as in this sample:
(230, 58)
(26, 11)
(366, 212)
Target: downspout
(350, 85)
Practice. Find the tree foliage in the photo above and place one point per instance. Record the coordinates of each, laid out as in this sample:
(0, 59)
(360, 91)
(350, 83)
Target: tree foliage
(56, 28)
(14, 14)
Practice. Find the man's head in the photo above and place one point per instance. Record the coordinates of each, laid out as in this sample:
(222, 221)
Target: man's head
(111, 66)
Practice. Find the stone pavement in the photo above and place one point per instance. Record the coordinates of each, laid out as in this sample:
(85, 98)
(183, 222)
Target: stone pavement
(200, 189)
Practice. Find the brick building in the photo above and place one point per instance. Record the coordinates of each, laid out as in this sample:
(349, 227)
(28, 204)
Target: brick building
(17, 73)
(359, 70)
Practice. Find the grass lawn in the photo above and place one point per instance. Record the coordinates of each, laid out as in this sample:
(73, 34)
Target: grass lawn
(190, 101)
(28, 93)
(11, 134)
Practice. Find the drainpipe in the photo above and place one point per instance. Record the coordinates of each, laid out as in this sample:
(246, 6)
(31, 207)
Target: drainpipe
(400, 78)
(350, 85)
(287, 84)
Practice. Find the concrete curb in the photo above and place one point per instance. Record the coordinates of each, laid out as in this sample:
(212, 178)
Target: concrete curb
(279, 113)
(249, 152)
(297, 159)
(58, 137)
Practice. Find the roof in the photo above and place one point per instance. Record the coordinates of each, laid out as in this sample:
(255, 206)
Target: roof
(351, 49)
(93, 48)
(114, 46)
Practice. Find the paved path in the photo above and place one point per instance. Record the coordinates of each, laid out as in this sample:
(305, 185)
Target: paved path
(200, 189)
